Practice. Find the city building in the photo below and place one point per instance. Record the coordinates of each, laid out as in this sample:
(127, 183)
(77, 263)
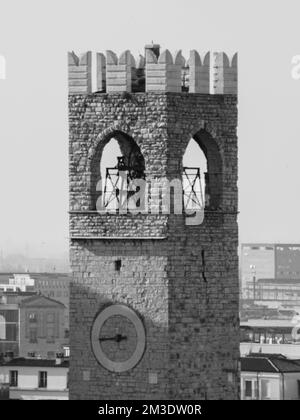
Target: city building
(55, 286)
(10, 321)
(52, 285)
(42, 327)
(17, 283)
(35, 379)
(268, 261)
(274, 292)
(9, 326)
(270, 336)
(257, 261)
(269, 377)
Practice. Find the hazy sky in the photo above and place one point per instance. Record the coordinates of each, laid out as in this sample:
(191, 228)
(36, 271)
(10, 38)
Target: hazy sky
(34, 38)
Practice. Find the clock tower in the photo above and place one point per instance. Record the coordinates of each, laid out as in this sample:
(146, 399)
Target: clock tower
(154, 290)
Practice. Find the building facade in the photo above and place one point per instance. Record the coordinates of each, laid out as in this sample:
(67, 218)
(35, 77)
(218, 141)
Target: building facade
(10, 321)
(52, 285)
(269, 377)
(274, 292)
(161, 284)
(38, 379)
(280, 262)
(42, 327)
(271, 336)
(9, 325)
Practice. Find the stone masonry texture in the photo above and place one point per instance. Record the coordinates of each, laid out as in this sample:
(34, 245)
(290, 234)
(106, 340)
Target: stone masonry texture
(182, 280)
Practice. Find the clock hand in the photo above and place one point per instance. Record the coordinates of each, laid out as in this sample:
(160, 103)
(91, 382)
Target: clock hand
(118, 338)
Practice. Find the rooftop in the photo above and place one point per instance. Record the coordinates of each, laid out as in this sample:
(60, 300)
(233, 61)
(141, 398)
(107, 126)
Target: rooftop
(4, 277)
(21, 361)
(272, 363)
(278, 282)
(274, 323)
(40, 300)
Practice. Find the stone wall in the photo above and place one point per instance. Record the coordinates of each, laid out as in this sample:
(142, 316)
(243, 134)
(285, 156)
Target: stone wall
(182, 280)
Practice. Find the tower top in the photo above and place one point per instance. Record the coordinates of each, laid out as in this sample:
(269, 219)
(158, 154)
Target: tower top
(156, 71)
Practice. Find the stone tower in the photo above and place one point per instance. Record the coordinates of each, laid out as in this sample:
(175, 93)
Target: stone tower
(154, 296)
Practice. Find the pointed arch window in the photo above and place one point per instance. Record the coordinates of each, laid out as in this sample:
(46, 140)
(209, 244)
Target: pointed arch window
(202, 174)
(118, 161)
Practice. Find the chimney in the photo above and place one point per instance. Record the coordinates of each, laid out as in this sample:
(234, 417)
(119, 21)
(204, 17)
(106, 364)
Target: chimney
(8, 356)
(59, 358)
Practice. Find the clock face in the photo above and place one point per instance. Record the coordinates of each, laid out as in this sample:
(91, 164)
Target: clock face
(118, 338)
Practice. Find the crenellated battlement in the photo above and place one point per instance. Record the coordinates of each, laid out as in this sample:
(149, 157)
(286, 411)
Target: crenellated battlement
(163, 74)
(80, 72)
(118, 71)
(155, 72)
(199, 74)
(224, 73)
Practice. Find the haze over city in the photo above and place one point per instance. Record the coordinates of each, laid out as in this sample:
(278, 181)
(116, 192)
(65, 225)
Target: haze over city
(33, 106)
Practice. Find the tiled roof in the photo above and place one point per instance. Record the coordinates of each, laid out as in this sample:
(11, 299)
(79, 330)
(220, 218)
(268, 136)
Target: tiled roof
(287, 365)
(36, 362)
(269, 363)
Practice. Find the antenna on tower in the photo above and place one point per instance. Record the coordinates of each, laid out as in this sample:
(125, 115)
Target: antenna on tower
(155, 48)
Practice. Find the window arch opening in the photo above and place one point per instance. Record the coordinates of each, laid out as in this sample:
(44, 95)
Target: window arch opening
(202, 174)
(193, 177)
(116, 167)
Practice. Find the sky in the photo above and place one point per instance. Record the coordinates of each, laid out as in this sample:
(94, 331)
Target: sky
(34, 39)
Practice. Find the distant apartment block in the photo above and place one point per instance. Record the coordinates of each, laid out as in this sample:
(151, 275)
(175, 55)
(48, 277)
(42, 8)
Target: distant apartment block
(270, 336)
(55, 286)
(278, 262)
(274, 291)
(42, 327)
(16, 282)
(36, 379)
(257, 260)
(32, 325)
(270, 377)
(52, 285)
(9, 328)
(10, 321)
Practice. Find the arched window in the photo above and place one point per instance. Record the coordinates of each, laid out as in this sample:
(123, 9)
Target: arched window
(110, 175)
(202, 173)
(118, 161)
(194, 170)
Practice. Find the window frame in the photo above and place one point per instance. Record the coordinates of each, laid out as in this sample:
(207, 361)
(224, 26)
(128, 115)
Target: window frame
(13, 378)
(42, 379)
(265, 384)
(33, 338)
(248, 381)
